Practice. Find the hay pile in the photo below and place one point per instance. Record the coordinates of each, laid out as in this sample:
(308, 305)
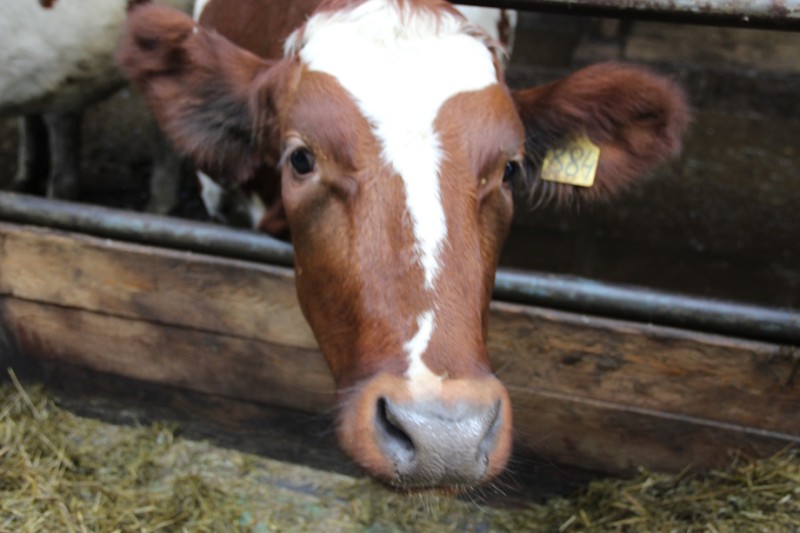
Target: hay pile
(60, 472)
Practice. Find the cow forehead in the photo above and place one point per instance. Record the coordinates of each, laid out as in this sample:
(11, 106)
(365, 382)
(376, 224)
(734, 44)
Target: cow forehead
(401, 63)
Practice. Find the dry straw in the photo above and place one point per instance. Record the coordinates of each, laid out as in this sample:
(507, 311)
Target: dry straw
(61, 472)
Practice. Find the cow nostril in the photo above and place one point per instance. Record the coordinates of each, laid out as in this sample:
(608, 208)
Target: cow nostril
(489, 439)
(395, 440)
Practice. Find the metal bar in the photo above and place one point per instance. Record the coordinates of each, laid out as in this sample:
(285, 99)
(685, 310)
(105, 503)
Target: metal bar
(547, 290)
(757, 13)
(144, 228)
(649, 306)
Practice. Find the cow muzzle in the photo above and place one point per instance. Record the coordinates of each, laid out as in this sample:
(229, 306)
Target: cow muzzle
(458, 436)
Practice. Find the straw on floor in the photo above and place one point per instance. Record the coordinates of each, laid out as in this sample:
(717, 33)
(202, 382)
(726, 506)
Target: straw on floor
(61, 472)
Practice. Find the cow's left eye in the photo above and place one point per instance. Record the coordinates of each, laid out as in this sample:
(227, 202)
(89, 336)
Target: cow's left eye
(511, 172)
(303, 161)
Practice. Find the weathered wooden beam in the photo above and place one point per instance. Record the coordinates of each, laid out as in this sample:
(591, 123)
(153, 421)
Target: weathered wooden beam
(561, 427)
(549, 290)
(746, 383)
(601, 393)
(784, 14)
(619, 438)
(195, 291)
(224, 364)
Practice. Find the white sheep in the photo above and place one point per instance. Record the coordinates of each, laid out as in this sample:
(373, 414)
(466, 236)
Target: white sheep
(56, 58)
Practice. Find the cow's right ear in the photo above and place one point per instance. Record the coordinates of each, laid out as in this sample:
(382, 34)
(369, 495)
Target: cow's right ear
(634, 117)
(205, 92)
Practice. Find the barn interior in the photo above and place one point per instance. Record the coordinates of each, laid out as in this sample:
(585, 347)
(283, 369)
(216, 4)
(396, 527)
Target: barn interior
(719, 223)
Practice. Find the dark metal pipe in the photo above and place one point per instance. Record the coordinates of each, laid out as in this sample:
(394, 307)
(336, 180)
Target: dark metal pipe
(780, 14)
(547, 290)
(144, 228)
(649, 306)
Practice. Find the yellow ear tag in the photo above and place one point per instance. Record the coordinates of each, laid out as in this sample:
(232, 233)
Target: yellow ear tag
(574, 163)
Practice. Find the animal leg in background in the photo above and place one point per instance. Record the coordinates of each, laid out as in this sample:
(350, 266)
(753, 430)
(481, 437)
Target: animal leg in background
(56, 59)
(32, 153)
(165, 178)
(49, 145)
(64, 136)
(48, 158)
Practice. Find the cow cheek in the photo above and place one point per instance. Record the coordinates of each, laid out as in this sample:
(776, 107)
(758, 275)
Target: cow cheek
(325, 288)
(496, 214)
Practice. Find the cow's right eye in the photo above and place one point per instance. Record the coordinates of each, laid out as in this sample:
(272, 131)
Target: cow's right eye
(303, 161)
(511, 172)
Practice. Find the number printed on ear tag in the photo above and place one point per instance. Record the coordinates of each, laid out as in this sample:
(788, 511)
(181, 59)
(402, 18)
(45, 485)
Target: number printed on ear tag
(574, 163)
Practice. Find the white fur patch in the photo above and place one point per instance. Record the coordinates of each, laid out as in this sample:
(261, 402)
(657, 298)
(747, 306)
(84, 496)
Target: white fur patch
(420, 377)
(62, 58)
(401, 66)
(217, 198)
(199, 6)
(256, 209)
(210, 192)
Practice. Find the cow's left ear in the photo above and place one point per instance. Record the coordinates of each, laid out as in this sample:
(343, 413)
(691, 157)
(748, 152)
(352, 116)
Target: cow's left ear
(214, 100)
(635, 117)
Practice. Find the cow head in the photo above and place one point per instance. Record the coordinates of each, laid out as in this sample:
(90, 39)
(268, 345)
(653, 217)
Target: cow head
(391, 146)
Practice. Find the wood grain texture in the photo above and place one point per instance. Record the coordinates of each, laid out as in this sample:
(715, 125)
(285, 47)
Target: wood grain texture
(619, 439)
(560, 427)
(741, 382)
(231, 366)
(146, 283)
(599, 393)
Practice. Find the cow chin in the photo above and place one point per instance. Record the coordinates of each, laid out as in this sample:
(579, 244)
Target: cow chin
(452, 438)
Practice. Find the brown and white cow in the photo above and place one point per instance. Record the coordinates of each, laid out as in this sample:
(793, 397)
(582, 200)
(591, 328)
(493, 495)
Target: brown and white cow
(241, 204)
(386, 141)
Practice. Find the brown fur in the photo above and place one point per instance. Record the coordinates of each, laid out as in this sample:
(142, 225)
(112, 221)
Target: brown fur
(358, 280)
(211, 98)
(636, 117)
(260, 27)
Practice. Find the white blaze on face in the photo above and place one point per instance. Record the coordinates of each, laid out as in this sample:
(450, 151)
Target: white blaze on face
(199, 6)
(401, 65)
(420, 377)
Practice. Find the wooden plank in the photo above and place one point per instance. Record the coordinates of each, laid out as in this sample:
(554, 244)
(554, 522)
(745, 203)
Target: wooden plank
(605, 394)
(141, 282)
(561, 427)
(747, 383)
(762, 50)
(198, 360)
(619, 439)
(751, 13)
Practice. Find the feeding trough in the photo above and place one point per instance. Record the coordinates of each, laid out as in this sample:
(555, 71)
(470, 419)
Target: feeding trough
(608, 394)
